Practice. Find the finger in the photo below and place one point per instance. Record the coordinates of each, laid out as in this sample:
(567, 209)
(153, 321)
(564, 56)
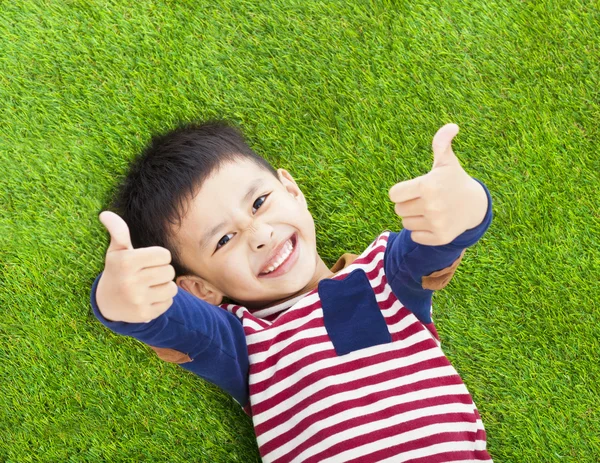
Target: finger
(416, 223)
(405, 191)
(162, 292)
(154, 256)
(118, 230)
(442, 145)
(410, 208)
(154, 276)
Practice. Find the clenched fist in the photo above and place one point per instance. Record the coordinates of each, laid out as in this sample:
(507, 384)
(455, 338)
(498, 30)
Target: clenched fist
(137, 284)
(442, 204)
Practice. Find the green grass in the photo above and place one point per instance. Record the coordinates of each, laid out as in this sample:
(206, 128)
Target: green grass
(347, 96)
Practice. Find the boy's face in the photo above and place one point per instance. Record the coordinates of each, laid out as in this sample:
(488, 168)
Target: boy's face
(248, 236)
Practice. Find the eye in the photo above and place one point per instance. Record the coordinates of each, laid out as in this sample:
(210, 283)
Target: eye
(258, 203)
(223, 241)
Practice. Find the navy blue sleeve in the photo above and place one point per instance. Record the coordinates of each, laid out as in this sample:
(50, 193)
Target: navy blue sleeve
(212, 337)
(407, 262)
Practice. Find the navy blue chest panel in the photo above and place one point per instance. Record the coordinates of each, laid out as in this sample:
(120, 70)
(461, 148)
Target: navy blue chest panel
(351, 314)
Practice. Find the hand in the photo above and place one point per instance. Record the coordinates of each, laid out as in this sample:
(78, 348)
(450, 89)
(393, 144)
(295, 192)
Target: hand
(137, 284)
(441, 205)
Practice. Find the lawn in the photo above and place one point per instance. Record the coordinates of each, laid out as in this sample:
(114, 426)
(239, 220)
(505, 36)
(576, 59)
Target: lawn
(346, 96)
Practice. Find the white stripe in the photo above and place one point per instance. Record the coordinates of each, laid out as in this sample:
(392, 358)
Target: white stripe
(436, 449)
(252, 324)
(366, 390)
(405, 323)
(453, 461)
(375, 407)
(403, 438)
(336, 360)
(384, 294)
(278, 329)
(373, 351)
(290, 359)
(277, 347)
(263, 313)
(367, 266)
(305, 352)
(339, 379)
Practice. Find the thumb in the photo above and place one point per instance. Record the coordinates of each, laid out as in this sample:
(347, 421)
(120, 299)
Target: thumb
(118, 230)
(442, 146)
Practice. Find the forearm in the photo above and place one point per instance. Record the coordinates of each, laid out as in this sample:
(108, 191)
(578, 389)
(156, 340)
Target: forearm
(210, 340)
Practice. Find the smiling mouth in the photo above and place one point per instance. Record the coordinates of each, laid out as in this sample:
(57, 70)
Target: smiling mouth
(281, 257)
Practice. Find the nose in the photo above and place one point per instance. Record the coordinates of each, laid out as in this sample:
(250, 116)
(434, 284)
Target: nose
(260, 234)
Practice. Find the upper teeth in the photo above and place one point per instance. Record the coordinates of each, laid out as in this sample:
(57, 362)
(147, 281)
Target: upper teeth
(285, 252)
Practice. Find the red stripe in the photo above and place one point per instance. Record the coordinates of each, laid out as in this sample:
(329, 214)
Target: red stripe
(347, 367)
(249, 330)
(481, 434)
(271, 360)
(374, 397)
(398, 449)
(477, 455)
(431, 328)
(293, 347)
(396, 317)
(295, 314)
(263, 346)
(284, 373)
(389, 302)
(366, 260)
(374, 273)
(335, 389)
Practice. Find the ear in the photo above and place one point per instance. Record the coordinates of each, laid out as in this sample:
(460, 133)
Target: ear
(200, 288)
(291, 186)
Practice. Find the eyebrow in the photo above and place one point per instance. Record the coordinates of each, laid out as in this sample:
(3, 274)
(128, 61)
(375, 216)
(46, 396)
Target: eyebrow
(207, 237)
(252, 190)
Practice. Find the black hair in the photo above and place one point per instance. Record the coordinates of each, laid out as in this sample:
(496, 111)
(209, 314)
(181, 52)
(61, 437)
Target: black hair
(152, 197)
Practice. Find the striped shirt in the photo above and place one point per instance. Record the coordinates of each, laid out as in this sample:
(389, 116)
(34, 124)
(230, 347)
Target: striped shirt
(359, 381)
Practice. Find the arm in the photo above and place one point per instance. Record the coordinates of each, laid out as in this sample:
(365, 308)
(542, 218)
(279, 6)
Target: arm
(136, 296)
(414, 270)
(210, 340)
(443, 212)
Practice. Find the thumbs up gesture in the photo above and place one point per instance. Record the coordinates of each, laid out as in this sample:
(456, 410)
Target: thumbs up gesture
(442, 204)
(137, 284)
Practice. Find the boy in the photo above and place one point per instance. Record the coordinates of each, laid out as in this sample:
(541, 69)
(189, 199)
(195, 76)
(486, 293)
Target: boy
(336, 365)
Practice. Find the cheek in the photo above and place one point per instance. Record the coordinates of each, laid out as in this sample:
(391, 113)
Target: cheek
(234, 267)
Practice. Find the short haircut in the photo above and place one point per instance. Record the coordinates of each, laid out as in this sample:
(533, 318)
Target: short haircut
(168, 173)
